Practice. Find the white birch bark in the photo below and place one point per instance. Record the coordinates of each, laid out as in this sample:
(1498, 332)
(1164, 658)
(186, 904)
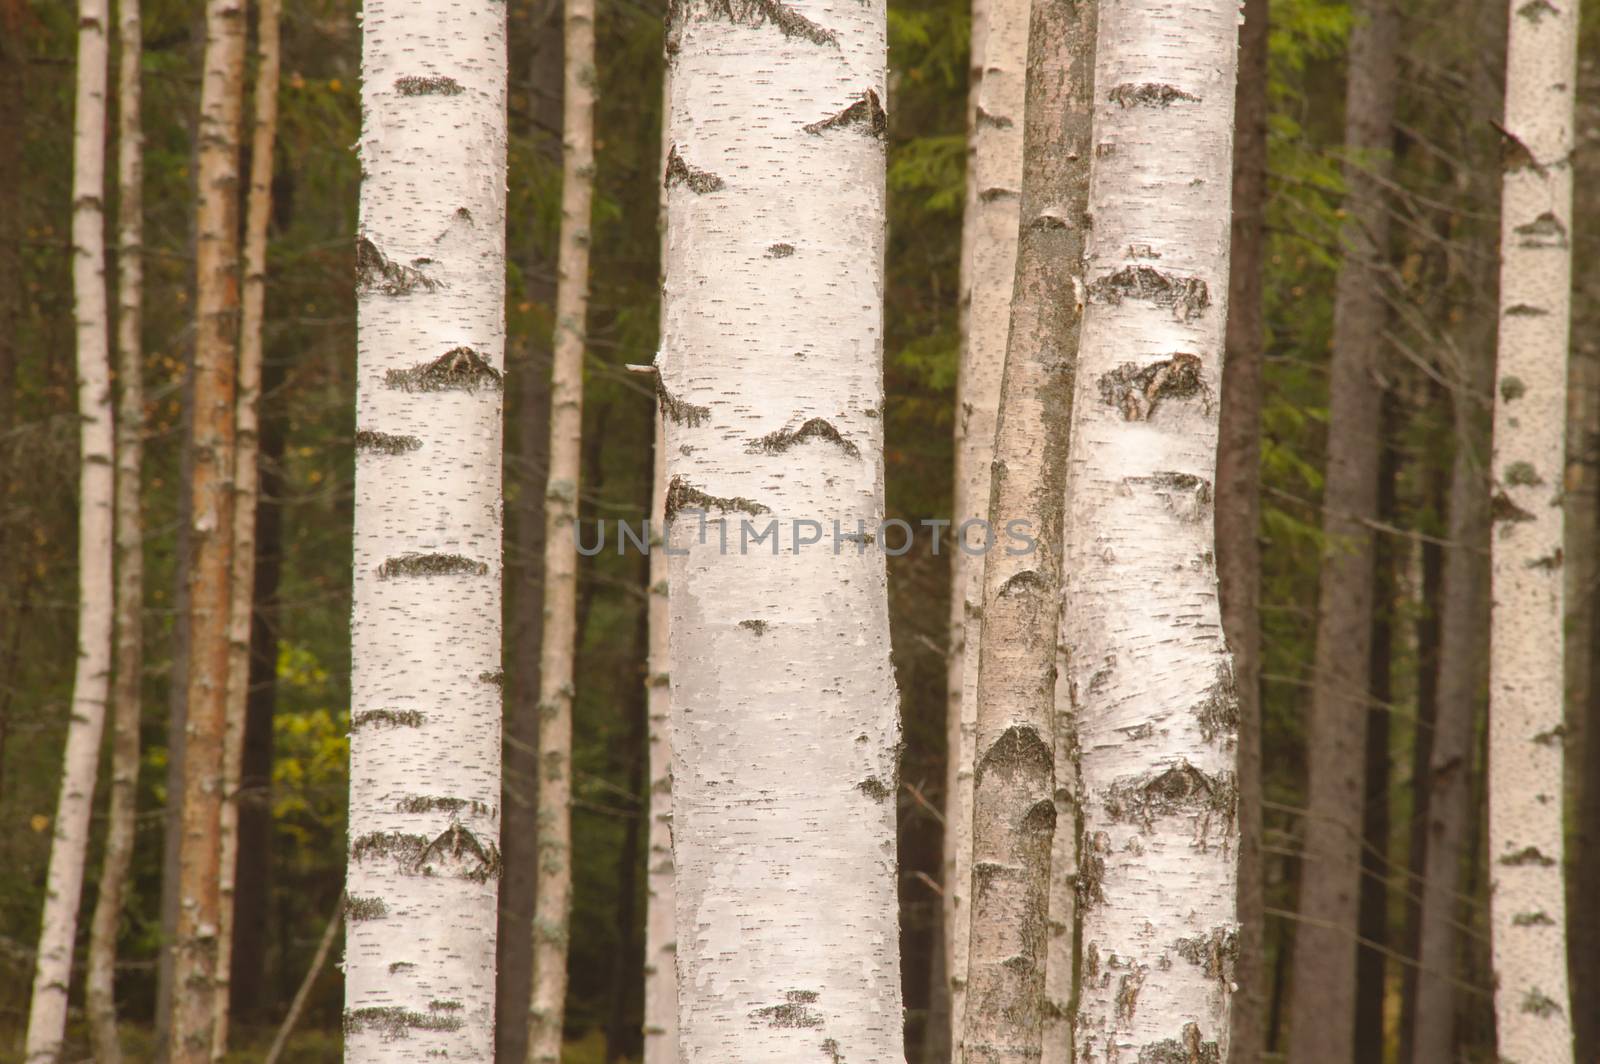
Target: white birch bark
(126, 694)
(1527, 905)
(660, 927)
(1150, 671)
(1015, 808)
(553, 891)
(69, 843)
(246, 491)
(426, 680)
(785, 722)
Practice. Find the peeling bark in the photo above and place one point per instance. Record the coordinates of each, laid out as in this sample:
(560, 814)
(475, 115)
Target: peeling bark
(426, 613)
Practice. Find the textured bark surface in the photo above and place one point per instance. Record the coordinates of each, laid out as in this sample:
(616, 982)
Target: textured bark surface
(69, 841)
(553, 891)
(126, 693)
(1322, 1009)
(1150, 672)
(784, 776)
(425, 640)
(1015, 810)
(246, 491)
(994, 199)
(1239, 511)
(195, 972)
(1527, 906)
(660, 930)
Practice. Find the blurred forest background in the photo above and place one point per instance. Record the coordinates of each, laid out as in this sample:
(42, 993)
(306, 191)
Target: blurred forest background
(293, 817)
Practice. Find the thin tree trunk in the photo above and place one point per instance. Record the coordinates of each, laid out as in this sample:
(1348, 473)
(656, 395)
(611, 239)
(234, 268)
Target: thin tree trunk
(660, 948)
(1152, 677)
(1322, 1009)
(528, 404)
(424, 860)
(621, 1042)
(996, 180)
(246, 493)
(69, 844)
(784, 776)
(1527, 906)
(553, 891)
(1014, 932)
(1372, 917)
(127, 693)
(296, 1007)
(1239, 511)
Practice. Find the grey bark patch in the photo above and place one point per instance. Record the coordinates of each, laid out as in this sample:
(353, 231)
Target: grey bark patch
(376, 273)
(1528, 855)
(866, 116)
(756, 627)
(794, 1012)
(400, 845)
(780, 251)
(419, 564)
(1022, 583)
(1545, 231)
(1502, 509)
(1149, 94)
(1538, 919)
(386, 718)
(681, 495)
(496, 677)
(1556, 736)
(830, 1049)
(1218, 712)
(1526, 310)
(1535, 10)
(989, 195)
(394, 1023)
(815, 429)
(1184, 296)
(1019, 749)
(678, 411)
(875, 789)
(400, 966)
(1128, 988)
(458, 852)
(1512, 388)
(693, 178)
(774, 12)
(357, 908)
(1215, 954)
(1179, 790)
(984, 118)
(385, 443)
(1537, 1003)
(1187, 496)
(1522, 475)
(459, 369)
(418, 803)
(1189, 1048)
(1136, 390)
(415, 85)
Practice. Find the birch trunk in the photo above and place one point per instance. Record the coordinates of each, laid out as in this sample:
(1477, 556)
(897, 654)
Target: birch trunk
(126, 693)
(1150, 671)
(553, 890)
(1527, 907)
(1238, 521)
(957, 856)
(1014, 930)
(1322, 1008)
(69, 843)
(195, 970)
(996, 179)
(246, 492)
(784, 776)
(425, 638)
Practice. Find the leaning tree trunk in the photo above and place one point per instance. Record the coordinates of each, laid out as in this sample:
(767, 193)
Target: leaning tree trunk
(1527, 907)
(195, 971)
(1239, 511)
(1016, 932)
(1150, 670)
(424, 864)
(552, 905)
(1322, 1010)
(246, 492)
(69, 843)
(784, 776)
(996, 176)
(126, 693)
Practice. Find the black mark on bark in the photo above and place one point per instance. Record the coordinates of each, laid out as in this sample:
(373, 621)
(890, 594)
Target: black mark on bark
(1186, 495)
(866, 116)
(1149, 94)
(1535, 10)
(780, 251)
(375, 272)
(681, 495)
(1501, 508)
(1136, 390)
(427, 86)
(1537, 1003)
(1512, 388)
(678, 411)
(1186, 1049)
(757, 627)
(1538, 919)
(1185, 296)
(432, 565)
(1528, 855)
(1522, 475)
(386, 718)
(984, 118)
(1218, 712)
(875, 788)
(815, 429)
(459, 369)
(1180, 790)
(1019, 749)
(692, 177)
(794, 1012)
(781, 15)
(385, 443)
(394, 1023)
(1524, 310)
(357, 908)
(1545, 231)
